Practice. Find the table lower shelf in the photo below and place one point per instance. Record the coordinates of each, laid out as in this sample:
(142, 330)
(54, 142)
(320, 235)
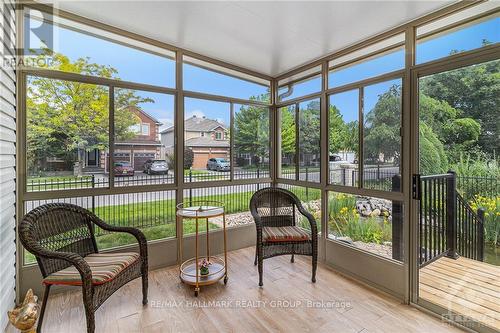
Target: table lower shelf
(188, 272)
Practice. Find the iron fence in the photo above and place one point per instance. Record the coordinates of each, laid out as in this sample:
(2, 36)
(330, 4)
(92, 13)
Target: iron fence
(448, 226)
(378, 178)
(156, 208)
(102, 180)
(469, 187)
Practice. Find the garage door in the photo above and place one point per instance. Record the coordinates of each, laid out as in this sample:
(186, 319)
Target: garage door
(200, 159)
(140, 159)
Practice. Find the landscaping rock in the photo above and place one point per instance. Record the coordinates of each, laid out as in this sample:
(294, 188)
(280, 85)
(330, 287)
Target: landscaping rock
(234, 219)
(367, 206)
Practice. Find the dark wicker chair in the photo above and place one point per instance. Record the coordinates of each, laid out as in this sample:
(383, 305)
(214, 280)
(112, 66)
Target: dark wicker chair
(61, 236)
(275, 213)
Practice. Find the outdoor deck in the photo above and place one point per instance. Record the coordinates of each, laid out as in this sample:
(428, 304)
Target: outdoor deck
(467, 287)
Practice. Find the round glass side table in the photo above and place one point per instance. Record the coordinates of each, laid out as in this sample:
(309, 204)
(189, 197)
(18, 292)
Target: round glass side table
(215, 267)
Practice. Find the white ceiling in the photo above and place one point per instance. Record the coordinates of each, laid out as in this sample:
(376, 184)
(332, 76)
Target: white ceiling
(266, 36)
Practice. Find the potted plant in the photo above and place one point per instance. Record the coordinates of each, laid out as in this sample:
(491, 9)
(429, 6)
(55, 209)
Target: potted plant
(204, 264)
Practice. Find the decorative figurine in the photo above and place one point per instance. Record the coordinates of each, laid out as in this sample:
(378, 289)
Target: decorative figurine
(204, 267)
(24, 316)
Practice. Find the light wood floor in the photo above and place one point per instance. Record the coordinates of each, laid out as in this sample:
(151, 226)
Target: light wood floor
(273, 308)
(465, 286)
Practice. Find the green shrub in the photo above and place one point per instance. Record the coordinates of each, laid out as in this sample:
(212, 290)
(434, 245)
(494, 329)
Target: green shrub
(467, 166)
(433, 158)
(344, 220)
(339, 201)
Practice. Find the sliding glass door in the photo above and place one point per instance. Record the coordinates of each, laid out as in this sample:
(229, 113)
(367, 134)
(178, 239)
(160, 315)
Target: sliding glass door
(457, 193)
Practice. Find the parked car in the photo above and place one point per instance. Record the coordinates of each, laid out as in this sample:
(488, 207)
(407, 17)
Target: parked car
(334, 161)
(335, 158)
(218, 164)
(156, 167)
(123, 168)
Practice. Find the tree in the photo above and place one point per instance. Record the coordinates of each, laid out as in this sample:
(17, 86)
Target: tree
(464, 131)
(309, 129)
(435, 113)
(66, 117)
(188, 158)
(432, 155)
(251, 126)
(382, 127)
(342, 136)
(475, 91)
(287, 130)
(457, 134)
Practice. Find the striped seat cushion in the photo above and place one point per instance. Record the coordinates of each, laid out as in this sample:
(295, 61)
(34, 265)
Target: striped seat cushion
(284, 234)
(104, 266)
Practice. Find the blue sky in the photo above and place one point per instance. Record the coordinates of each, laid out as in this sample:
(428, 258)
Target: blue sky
(142, 67)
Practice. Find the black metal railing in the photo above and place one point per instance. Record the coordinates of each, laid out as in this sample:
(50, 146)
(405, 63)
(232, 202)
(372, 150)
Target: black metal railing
(433, 216)
(448, 226)
(155, 208)
(469, 186)
(102, 180)
(377, 178)
(470, 230)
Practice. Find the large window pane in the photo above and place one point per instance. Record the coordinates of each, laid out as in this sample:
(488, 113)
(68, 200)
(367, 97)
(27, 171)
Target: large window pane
(206, 135)
(309, 141)
(343, 138)
(152, 212)
(74, 47)
(382, 135)
(66, 134)
(251, 141)
(375, 66)
(207, 78)
(288, 141)
(371, 224)
(142, 155)
(299, 88)
(432, 43)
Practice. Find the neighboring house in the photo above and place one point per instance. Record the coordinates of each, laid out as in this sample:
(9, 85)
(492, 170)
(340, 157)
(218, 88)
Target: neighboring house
(144, 146)
(206, 137)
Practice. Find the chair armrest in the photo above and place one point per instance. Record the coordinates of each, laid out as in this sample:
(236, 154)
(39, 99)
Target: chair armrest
(141, 239)
(310, 218)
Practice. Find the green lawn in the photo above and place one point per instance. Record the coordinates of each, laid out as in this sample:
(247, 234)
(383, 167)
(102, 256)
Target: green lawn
(195, 172)
(159, 215)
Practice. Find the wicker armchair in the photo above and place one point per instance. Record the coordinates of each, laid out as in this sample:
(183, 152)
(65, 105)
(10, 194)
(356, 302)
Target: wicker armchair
(275, 213)
(61, 236)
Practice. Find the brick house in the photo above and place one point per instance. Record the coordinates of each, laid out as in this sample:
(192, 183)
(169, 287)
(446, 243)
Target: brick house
(144, 146)
(206, 137)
